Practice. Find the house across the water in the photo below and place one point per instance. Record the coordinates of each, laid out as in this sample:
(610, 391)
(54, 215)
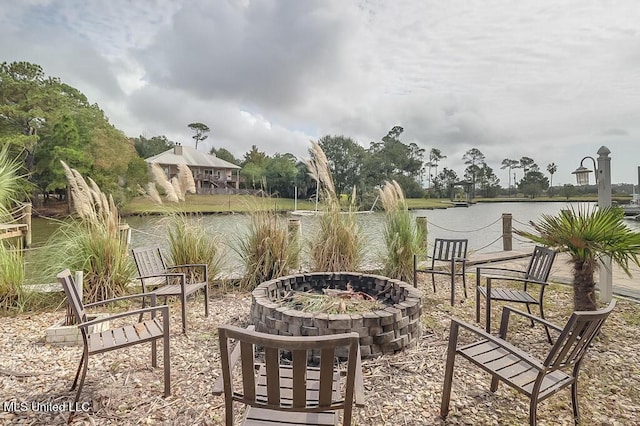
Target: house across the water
(212, 175)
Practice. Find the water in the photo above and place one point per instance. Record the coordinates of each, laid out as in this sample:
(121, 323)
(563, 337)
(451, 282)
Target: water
(481, 224)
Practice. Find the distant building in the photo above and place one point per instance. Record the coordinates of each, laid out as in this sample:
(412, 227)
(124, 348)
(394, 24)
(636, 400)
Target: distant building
(211, 174)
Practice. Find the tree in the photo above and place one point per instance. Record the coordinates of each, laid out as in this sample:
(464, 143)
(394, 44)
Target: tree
(474, 158)
(533, 183)
(489, 182)
(149, 147)
(346, 159)
(224, 154)
(255, 156)
(200, 129)
(509, 164)
(444, 182)
(62, 144)
(551, 168)
(587, 235)
(435, 156)
(280, 174)
(568, 190)
(527, 164)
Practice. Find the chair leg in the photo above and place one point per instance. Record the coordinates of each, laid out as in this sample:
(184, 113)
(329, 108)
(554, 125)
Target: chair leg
(529, 310)
(488, 307)
(75, 380)
(166, 358)
(206, 300)
(464, 284)
(546, 329)
(533, 412)
(453, 288)
(433, 281)
(478, 301)
(448, 371)
(82, 377)
(154, 352)
(183, 306)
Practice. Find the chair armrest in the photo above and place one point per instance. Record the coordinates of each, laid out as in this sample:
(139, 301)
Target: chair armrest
(160, 274)
(118, 299)
(218, 386)
(508, 310)
(498, 271)
(359, 382)
(498, 341)
(163, 308)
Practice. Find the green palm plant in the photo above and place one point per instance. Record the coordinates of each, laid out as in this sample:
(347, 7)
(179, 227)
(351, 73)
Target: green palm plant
(587, 235)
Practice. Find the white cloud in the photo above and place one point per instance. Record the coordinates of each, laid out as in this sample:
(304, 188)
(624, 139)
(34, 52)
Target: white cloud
(545, 79)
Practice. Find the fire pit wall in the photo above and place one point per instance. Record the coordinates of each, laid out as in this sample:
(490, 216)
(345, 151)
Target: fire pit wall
(388, 330)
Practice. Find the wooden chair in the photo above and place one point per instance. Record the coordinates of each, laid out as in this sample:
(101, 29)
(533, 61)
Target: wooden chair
(536, 273)
(449, 258)
(175, 280)
(292, 392)
(537, 379)
(134, 333)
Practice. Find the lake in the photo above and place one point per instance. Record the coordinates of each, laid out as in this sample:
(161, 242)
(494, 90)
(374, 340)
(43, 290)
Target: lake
(480, 223)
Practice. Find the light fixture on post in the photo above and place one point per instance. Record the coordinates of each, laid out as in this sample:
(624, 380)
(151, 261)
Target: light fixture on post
(603, 180)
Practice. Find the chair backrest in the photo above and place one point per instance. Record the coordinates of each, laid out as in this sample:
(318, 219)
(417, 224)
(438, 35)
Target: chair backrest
(573, 342)
(73, 297)
(446, 249)
(540, 264)
(149, 260)
(300, 391)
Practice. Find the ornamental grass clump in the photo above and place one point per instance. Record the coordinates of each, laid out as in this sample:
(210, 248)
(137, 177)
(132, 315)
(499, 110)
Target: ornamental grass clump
(12, 274)
(267, 250)
(190, 243)
(338, 245)
(90, 241)
(402, 237)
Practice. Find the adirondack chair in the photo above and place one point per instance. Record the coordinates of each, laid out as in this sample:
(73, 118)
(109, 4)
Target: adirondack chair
(292, 393)
(536, 273)
(537, 379)
(134, 333)
(449, 258)
(176, 280)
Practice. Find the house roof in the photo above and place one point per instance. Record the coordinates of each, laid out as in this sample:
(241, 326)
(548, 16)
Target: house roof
(191, 157)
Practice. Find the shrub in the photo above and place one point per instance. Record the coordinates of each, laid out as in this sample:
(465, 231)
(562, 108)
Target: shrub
(91, 242)
(266, 249)
(12, 294)
(189, 243)
(402, 237)
(338, 245)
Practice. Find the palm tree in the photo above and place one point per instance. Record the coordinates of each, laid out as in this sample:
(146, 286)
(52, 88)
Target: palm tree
(587, 235)
(551, 168)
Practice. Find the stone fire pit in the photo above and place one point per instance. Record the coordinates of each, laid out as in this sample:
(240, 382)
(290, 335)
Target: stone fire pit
(387, 330)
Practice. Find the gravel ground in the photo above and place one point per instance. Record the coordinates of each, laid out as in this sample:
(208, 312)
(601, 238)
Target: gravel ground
(402, 389)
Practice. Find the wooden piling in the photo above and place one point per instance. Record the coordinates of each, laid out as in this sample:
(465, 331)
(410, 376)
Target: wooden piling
(507, 232)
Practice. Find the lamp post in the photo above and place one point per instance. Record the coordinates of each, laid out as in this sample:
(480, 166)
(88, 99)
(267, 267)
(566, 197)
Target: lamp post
(603, 180)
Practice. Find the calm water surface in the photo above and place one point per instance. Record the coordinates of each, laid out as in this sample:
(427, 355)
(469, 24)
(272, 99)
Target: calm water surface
(481, 224)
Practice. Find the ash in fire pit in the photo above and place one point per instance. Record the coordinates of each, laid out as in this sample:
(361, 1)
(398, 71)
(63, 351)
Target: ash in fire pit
(388, 328)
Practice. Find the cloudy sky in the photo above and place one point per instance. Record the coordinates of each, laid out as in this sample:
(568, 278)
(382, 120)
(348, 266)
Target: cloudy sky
(549, 79)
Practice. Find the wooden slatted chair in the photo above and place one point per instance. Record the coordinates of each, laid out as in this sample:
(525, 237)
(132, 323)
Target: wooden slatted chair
(292, 393)
(537, 273)
(171, 280)
(138, 332)
(537, 379)
(449, 258)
